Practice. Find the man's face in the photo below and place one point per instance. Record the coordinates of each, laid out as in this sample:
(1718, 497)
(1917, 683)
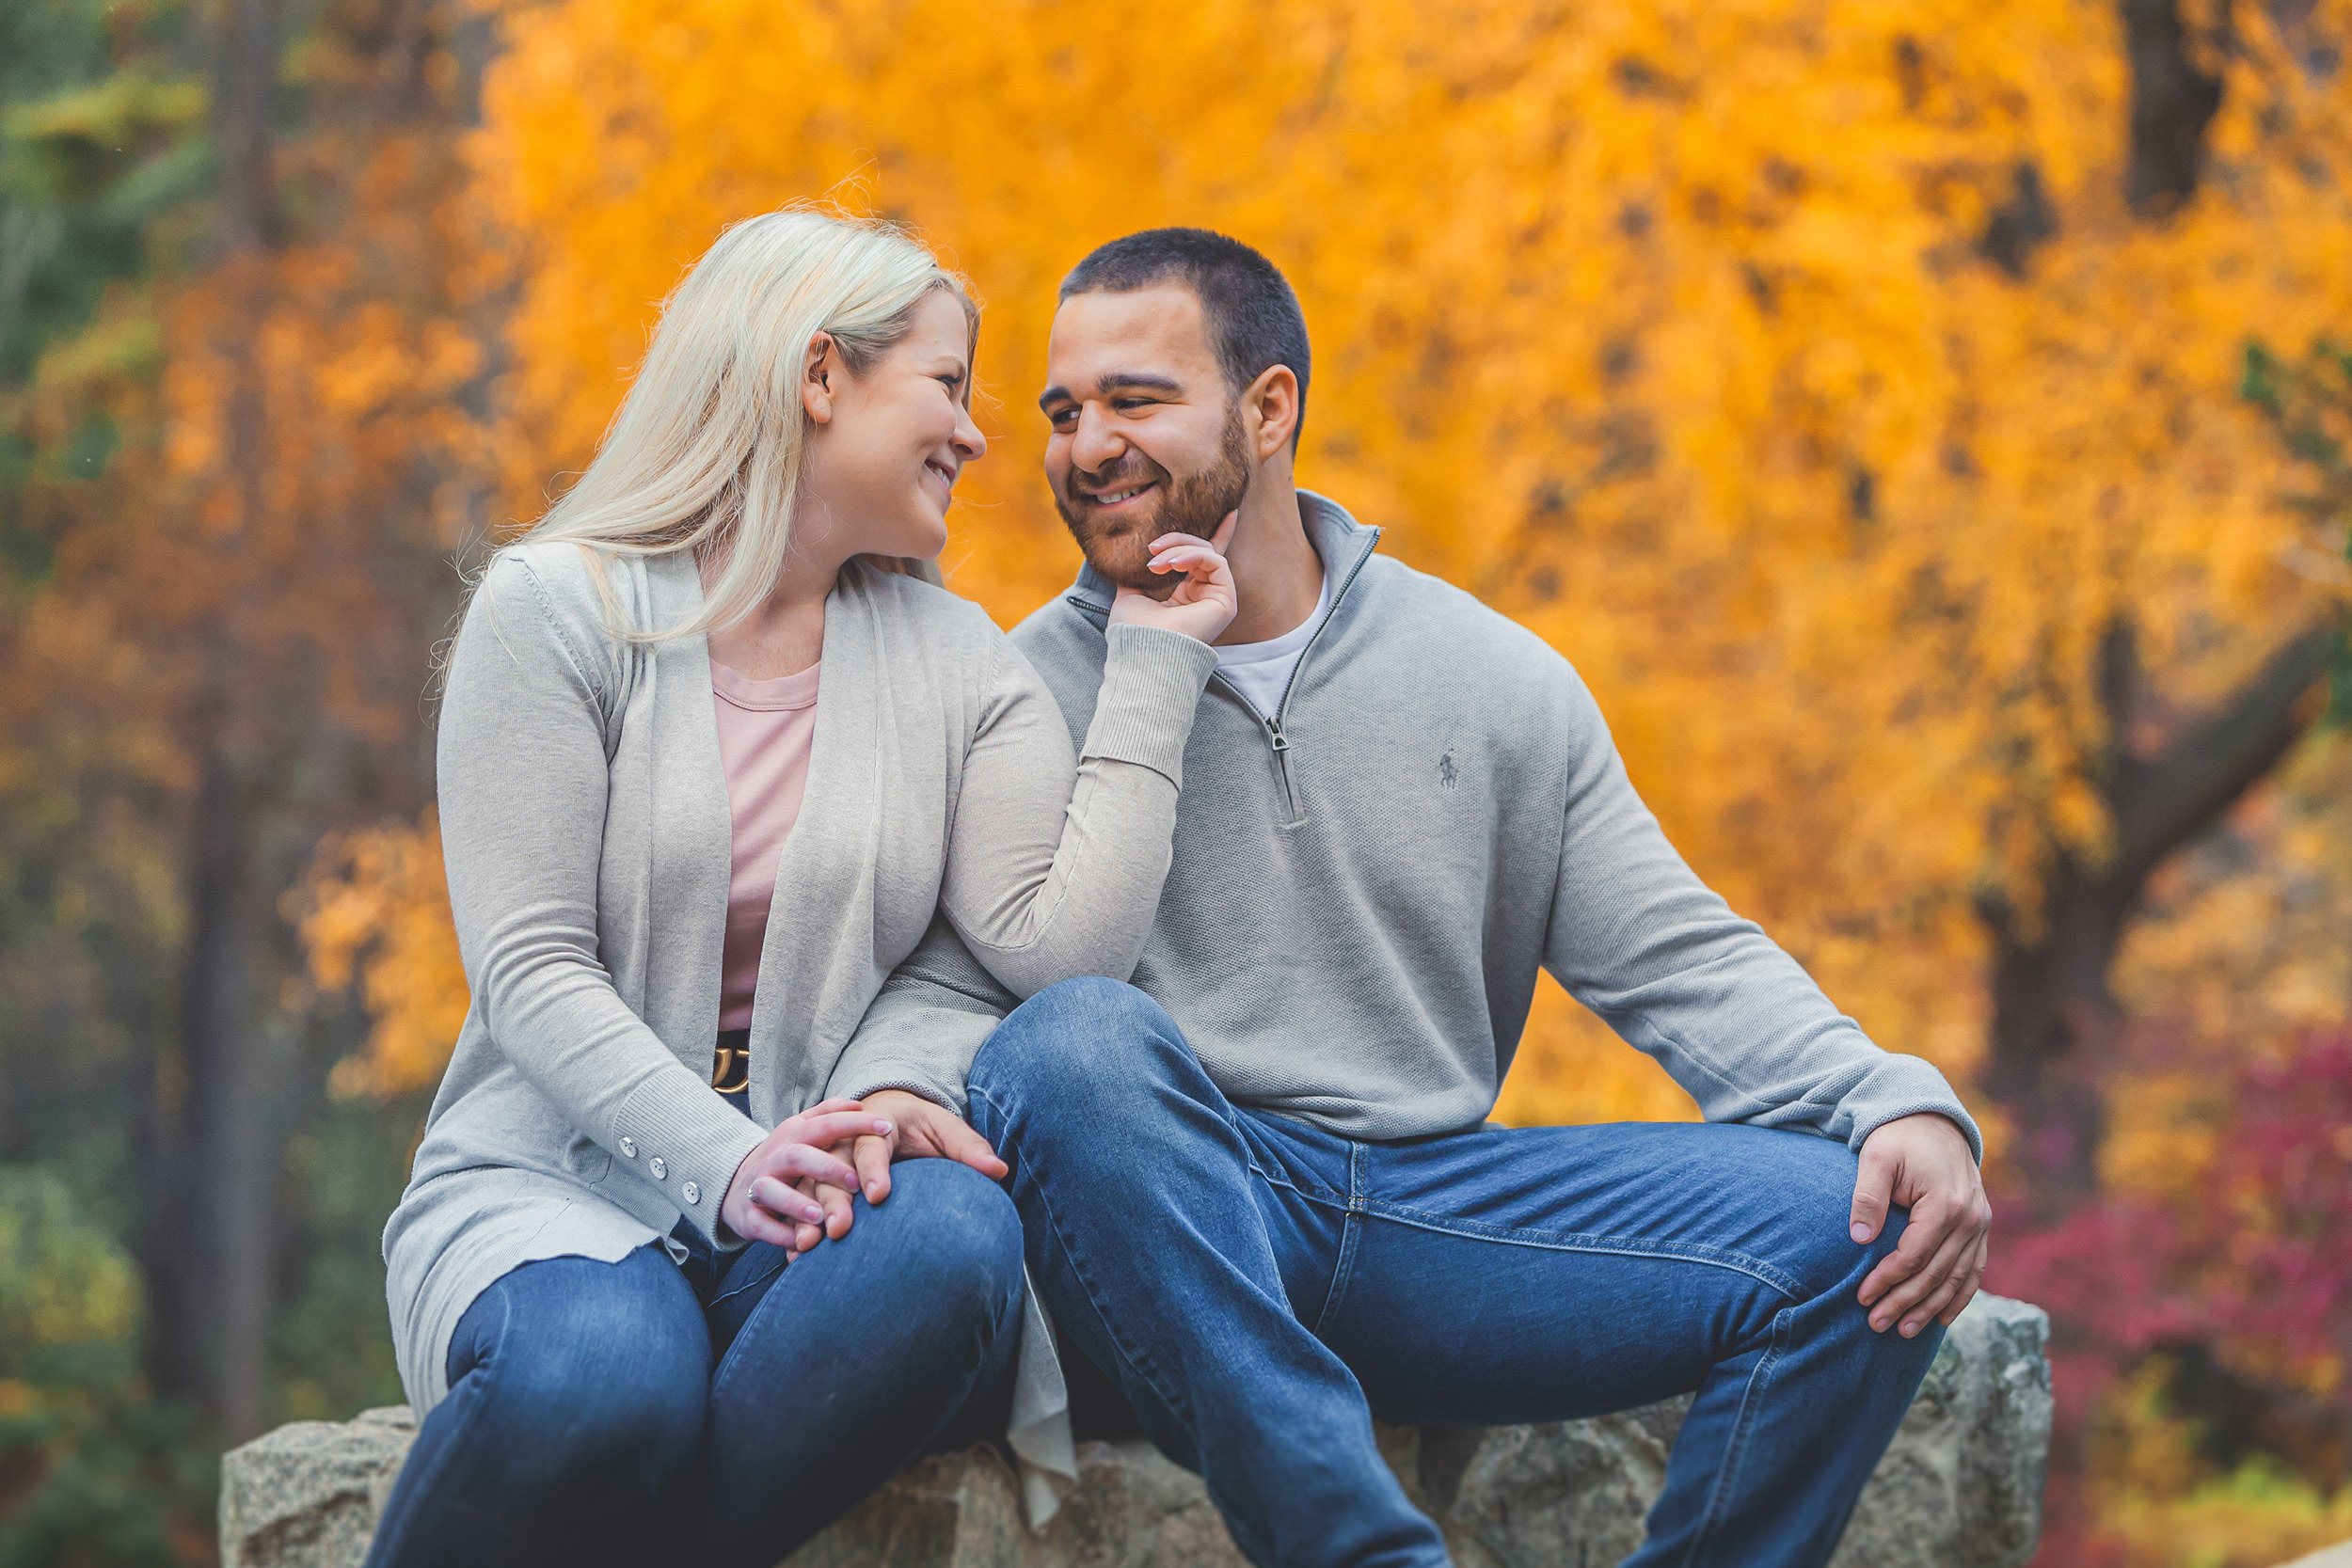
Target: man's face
(1146, 436)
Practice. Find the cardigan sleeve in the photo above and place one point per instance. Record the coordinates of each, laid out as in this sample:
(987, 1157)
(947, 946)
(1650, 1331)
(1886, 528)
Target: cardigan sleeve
(523, 775)
(1639, 939)
(924, 1026)
(1053, 873)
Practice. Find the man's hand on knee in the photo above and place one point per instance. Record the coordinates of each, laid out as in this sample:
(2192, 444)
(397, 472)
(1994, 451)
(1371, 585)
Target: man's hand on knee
(1923, 1164)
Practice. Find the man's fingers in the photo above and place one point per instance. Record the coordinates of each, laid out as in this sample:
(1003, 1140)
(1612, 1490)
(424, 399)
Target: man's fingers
(1970, 1283)
(1874, 1188)
(1930, 1226)
(1908, 1292)
(960, 1143)
(873, 1168)
(1932, 1306)
(835, 1202)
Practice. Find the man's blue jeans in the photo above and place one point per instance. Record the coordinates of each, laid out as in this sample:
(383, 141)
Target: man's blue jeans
(720, 1414)
(1259, 1290)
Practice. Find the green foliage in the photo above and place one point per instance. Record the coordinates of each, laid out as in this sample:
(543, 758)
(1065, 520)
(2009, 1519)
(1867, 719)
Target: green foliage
(2310, 399)
(101, 141)
(90, 1472)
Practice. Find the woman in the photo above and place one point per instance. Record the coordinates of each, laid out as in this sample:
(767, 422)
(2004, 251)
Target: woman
(680, 875)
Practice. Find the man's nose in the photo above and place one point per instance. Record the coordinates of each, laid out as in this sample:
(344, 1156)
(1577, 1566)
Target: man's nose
(1094, 445)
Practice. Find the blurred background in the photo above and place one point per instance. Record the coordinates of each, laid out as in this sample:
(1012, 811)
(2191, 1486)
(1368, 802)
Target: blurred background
(1928, 426)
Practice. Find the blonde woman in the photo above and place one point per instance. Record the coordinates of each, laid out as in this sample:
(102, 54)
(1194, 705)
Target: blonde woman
(707, 770)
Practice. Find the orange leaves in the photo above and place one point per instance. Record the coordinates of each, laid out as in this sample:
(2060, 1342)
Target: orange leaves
(376, 912)
(1796, 366)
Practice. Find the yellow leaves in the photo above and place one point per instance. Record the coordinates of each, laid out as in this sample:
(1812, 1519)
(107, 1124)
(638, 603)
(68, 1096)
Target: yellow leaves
(1677, 330)
(1573, 1069)
(377, 914)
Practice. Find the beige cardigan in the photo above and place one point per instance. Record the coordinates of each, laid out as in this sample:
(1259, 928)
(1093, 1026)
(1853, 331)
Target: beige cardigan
(585, 827)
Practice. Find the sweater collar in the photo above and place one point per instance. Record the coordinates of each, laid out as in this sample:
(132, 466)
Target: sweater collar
(1344, 543)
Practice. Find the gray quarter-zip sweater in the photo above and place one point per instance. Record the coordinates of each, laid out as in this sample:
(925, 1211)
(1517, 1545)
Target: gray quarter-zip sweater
(1364, 884)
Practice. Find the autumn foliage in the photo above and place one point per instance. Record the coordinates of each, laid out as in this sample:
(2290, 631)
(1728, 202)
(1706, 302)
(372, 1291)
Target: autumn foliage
(1924, 426)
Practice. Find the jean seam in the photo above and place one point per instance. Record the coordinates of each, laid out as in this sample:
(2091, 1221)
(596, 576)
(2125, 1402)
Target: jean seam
(1351, 1232)
(734, 1290)
(1144, 1365)
(1750, 1397)
(1739, 1262)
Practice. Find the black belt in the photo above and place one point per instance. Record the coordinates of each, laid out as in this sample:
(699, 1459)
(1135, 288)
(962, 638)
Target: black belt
(731, 1061)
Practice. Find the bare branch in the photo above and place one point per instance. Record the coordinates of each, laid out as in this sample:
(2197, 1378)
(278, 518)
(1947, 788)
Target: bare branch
(2160, 801)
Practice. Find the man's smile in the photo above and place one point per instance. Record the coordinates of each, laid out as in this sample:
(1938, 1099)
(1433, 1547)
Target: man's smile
(1110, 499)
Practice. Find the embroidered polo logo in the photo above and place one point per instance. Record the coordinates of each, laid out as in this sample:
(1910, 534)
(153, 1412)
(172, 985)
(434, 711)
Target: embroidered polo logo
(1447, 773)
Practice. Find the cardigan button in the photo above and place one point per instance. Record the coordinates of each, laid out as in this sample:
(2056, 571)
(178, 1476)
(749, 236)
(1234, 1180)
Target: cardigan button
(693, 1192)
(660, 1168)
(629, 1148)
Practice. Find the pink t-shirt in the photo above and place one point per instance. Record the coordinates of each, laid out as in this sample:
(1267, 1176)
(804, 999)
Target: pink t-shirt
(764, 732)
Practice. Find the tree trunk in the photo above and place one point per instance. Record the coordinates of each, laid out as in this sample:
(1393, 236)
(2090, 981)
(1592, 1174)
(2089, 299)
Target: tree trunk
(2054, 1014)
(209, 1247)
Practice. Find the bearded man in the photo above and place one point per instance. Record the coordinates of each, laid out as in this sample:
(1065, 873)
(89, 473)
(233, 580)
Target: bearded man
(1261, 1195)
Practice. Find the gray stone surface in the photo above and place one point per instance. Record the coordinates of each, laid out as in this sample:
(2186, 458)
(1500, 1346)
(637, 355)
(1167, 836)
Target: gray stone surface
(1960, 1488)
(2327, 1557)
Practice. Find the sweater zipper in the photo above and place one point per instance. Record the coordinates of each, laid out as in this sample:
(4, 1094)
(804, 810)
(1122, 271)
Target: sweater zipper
(1277, 741)
(1278, 744)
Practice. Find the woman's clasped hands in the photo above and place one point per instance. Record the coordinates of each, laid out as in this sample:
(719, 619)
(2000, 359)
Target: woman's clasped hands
(762, 1202)
(794, 1189)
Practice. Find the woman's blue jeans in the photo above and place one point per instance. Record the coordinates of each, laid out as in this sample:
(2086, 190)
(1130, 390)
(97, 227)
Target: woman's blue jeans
(1259, 1290)
(720, 1413)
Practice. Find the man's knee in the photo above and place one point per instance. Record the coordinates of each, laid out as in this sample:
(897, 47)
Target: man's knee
(1807, 1186)
(1086, 1040)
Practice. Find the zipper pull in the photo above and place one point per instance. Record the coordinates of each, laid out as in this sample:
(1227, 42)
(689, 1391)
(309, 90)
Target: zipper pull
(1274, 729)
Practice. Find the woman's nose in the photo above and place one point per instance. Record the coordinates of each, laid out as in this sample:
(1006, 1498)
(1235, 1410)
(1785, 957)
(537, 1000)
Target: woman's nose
(970, 443)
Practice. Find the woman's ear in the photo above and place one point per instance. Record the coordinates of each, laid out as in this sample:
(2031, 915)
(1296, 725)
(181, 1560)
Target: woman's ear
(824, 362)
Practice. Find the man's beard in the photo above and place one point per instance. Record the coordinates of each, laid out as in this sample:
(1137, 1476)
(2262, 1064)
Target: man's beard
(1195, 504)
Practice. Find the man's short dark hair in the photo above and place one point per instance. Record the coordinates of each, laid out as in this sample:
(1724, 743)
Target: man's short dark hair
(1253, 319)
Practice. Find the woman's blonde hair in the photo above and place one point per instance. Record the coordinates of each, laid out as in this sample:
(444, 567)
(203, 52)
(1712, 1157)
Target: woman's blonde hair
(706, 452)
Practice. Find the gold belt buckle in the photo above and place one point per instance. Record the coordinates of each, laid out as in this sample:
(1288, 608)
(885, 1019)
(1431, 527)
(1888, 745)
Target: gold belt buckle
(730, 1067)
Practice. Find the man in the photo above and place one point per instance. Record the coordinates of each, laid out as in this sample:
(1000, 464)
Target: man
(1259, 1190)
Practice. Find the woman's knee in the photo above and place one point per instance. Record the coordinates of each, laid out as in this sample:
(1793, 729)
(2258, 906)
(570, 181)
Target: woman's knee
(954, 1239)
(598, 1376)
(605, 1421)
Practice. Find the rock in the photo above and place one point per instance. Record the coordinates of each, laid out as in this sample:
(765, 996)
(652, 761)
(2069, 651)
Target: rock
(1961, 1487)
(2327, 1557)
(307, 1494)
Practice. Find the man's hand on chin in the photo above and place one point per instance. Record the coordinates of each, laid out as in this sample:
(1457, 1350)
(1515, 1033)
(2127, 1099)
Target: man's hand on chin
(1922, 1162)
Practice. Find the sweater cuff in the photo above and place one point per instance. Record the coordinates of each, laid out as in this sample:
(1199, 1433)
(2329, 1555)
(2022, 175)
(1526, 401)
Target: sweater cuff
(675, 1132)
(896, 1075)
(1152, 684)
(1949, 1109)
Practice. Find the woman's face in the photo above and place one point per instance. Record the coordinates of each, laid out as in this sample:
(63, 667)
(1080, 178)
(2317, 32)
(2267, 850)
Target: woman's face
(884, 448)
